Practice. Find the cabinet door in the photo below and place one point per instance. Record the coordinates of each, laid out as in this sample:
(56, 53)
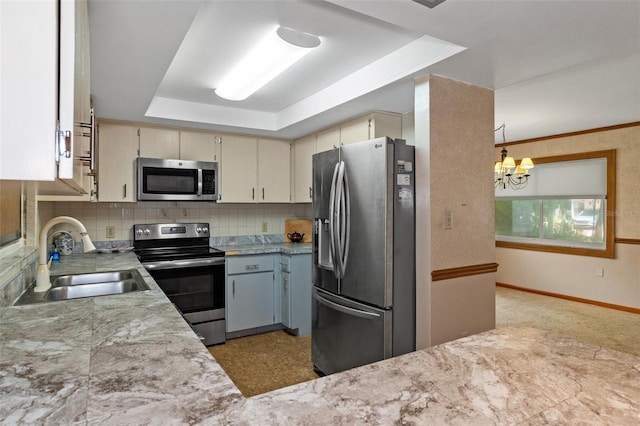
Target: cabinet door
(159, 143)
(300, 294)
(355, 131)
(117, 149)
(198, 146)
(286, 300)
(239, 170)
(74, 102)
(303, 150)
(328, 140)
(386, 125)
(249, 301)
(274, 171)
(28, 89)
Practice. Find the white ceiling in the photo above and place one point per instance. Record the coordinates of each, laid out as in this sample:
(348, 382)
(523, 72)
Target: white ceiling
(556, 66)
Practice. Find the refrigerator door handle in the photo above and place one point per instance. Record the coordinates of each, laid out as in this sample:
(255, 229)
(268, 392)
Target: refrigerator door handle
(346, 221)
(332, 221)
(345, 309)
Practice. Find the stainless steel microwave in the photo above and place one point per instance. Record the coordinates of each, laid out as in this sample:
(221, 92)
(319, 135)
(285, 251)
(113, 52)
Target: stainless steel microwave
(177, 180)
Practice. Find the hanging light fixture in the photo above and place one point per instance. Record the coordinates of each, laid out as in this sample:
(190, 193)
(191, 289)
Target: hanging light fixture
(277, 51)
(507, 173)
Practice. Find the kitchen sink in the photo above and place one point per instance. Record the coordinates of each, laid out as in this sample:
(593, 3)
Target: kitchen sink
(65, 287)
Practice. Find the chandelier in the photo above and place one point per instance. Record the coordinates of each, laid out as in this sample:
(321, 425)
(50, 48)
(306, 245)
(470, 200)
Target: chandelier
(507, 173)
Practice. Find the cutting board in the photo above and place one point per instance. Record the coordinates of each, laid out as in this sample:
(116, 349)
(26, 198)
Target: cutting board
(301, 226)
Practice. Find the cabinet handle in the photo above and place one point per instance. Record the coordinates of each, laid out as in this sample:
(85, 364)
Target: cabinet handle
(263, 193)
(310, 193)
(251, 267)
(124, 191)
(253, 193)
(233, 285)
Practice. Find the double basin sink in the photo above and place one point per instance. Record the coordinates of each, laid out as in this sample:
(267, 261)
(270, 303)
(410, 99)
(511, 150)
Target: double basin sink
(66, 287)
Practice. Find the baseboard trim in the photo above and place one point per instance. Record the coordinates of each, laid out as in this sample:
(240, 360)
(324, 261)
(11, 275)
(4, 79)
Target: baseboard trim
(463, 271)
(572, 298)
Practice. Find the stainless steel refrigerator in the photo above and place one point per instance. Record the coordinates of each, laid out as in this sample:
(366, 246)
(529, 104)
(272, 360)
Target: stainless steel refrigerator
(363, 254)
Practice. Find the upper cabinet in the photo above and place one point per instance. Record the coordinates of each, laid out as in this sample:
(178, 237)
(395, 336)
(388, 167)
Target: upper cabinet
(255, 171)
(199, 146)
(159, 143)
(329, 139)
(303, 150)
(274, 171)
(117, 151)
(35, 97)
(371, 126)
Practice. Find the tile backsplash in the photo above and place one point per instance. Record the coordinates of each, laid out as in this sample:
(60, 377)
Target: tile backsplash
(225, 219)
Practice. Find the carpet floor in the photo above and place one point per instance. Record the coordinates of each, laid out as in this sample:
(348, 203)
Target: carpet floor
(265, 362)
(269, 361)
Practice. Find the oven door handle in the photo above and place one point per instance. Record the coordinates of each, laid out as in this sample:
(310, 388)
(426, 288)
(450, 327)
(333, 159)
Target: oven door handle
(184, 263)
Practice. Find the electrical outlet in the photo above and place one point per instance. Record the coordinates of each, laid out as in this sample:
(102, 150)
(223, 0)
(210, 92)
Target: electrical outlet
(265, 227)
(111, 231)
(599, 272)
(448, 219)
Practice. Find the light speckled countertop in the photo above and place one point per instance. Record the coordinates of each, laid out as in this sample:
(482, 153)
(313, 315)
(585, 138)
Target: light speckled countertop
(130, 359)
(266, 248)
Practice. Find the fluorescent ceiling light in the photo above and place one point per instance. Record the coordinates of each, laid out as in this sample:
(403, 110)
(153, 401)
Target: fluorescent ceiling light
(275, 53)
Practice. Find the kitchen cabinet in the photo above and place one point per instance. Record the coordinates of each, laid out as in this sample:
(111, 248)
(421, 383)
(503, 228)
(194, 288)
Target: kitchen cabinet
(274, 171)
(117, 151)
(44, 85)
(303, 150)
(329, 139)
(371, 126)
(250, 292)
(159, 143)
(296, 285)
(199, 146)
(255, 171)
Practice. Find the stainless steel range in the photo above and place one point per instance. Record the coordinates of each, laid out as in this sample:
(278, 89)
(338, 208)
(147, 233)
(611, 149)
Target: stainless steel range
(188, 270)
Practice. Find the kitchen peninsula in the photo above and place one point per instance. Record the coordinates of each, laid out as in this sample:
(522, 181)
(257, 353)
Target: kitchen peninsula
(130, 359)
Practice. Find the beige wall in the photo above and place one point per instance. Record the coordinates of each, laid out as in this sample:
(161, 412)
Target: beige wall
(454, 153)
(575, 275)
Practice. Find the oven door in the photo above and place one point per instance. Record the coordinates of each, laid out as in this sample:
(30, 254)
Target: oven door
(193, 286)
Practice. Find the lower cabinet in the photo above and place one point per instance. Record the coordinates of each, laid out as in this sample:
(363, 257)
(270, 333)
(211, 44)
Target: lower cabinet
(260, 295)
(250, 292)
(296, 285)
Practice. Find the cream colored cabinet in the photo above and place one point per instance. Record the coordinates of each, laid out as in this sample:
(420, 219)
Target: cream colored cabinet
(255, 171)
(117, 151)
(239, 170)
(199, 146)
(40, 86)
(374, 125)
(329, 139)
(355, 131)
(159, 143)
(303, 150)
(274, 171)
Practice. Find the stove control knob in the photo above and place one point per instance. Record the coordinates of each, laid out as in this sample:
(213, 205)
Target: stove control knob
(199, 230)
(205, 230)
(139, 232)
(147, 231)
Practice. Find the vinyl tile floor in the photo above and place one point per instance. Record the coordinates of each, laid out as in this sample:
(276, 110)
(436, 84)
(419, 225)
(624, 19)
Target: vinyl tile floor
(265, 362)
(269, 361)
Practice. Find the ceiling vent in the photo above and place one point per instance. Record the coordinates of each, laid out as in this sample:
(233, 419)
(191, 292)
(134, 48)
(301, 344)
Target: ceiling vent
(429, 3)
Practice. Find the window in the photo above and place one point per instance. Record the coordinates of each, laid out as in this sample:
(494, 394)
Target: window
(564, 207)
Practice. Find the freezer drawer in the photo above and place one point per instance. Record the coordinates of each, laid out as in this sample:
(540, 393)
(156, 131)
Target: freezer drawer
(346, 334)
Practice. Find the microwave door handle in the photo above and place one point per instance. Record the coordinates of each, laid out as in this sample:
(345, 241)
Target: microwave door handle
(199, 183)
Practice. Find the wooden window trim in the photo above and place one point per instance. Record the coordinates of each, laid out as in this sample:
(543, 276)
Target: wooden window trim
(609, 251)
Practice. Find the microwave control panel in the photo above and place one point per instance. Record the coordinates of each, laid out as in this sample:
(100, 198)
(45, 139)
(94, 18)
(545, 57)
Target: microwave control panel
(208, 182)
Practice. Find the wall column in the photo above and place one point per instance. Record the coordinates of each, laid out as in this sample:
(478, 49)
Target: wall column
(455, 275)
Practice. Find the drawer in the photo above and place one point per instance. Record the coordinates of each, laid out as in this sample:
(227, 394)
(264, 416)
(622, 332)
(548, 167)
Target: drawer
(249, 264)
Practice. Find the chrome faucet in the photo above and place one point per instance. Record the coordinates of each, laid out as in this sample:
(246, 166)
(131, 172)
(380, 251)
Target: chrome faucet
(42, 278)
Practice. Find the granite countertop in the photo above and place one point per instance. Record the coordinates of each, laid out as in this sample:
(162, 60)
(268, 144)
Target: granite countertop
(131, 359)
(266, 248)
